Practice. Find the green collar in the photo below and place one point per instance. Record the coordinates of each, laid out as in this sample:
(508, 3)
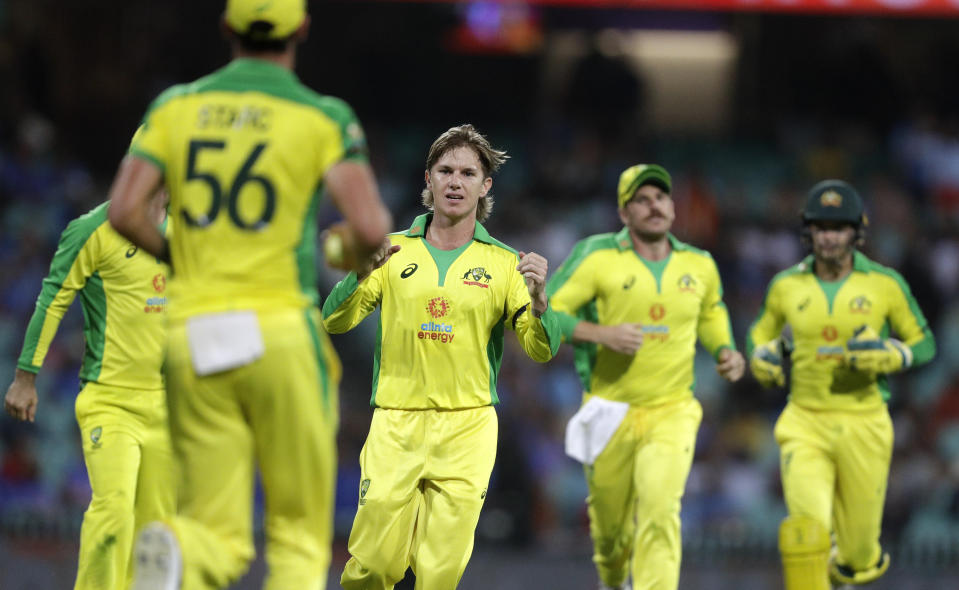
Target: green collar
(859, 262)
(624, 242)
(258, 67)
(418, 229)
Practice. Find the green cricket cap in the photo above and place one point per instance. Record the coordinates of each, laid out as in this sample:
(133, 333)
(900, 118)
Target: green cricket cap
(834, 200)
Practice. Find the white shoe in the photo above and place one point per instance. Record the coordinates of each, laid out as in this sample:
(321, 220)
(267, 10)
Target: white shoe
(157, 562)
(623, 586)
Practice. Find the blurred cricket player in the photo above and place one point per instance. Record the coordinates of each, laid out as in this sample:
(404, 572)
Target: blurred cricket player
(835, 434)
(447, 291)
(251, 377)
(121, 409)
(634, 303)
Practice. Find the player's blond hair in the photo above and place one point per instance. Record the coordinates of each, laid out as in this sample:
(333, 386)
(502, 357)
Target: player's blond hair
(466, 136)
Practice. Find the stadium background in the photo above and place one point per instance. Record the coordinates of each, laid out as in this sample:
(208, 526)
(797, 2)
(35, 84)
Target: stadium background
(746, 108)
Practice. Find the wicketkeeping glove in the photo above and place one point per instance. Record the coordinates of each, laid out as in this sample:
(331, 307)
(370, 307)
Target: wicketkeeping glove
(868, 353)
(766, 364)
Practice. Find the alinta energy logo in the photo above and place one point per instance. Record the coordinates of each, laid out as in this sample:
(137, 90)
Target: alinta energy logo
(478, 274)
(657, 311)
(157, 304)
(438, 308)
(656, 332)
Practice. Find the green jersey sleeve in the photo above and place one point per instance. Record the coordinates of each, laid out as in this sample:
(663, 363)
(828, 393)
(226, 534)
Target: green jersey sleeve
(73, 264)
(351, 301)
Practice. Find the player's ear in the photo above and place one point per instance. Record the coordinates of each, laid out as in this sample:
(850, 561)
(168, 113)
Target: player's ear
(303, 31)
(487, 184)
(225, 31)
(426, 176)
(622, 215)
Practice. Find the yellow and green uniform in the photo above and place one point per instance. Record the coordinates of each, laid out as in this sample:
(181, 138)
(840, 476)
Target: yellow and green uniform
(120, 410)
(429, 454)
(244, 152)
(835, 434)
(677, 301)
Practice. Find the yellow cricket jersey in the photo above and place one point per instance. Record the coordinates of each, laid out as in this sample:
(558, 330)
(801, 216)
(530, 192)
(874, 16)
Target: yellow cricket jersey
(678, 300)
(823, 317)
(123, 293)
(440, 335)
(243, 153)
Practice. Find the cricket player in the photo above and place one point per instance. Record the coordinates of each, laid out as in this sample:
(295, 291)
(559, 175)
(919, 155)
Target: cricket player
(250, 374)
(634, 303)
(121, 409)
(447, 291)
(835, 435)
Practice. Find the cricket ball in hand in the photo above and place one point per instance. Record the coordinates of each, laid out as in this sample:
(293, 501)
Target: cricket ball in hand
(333, 249)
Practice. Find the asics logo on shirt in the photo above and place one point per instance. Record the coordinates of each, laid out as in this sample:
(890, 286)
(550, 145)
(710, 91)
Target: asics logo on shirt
(131, 251)
(409, 270)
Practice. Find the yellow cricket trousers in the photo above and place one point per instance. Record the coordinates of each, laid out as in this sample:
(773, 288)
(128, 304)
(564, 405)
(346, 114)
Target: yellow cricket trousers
(278, 414)
(126, 447)
(423, 483)
(834, 466)
(635, 488)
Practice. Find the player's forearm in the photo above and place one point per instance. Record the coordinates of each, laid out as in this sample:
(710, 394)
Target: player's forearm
(589, 332)
(23, 377)
(353, 189)
(40, 333)
(137, 227)
(344, 307)
(715, 334)
(540, 337)
(540, 305)
(924, 350)
(129, 214)
(762, 331)
(342, 319)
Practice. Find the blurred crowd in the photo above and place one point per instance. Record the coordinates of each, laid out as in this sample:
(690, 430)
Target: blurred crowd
(739, 201)
(735, 196)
